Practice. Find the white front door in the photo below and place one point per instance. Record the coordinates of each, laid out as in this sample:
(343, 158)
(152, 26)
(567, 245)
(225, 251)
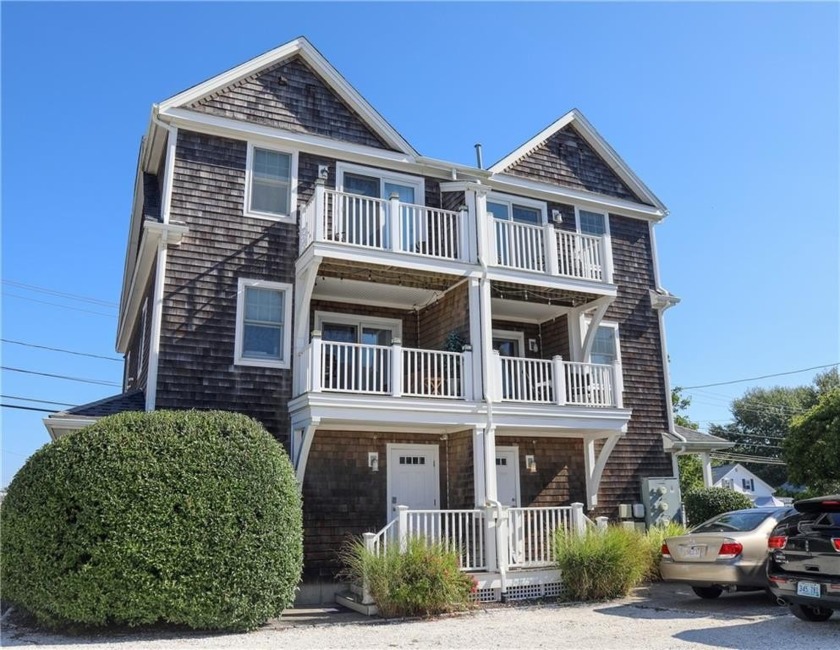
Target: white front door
(507, 475)
(413, 478)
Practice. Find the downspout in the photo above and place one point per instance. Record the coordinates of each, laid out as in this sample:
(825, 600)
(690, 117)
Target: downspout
(488, 397)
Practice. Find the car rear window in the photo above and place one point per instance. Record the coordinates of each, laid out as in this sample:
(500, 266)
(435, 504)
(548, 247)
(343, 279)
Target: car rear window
(733, 522)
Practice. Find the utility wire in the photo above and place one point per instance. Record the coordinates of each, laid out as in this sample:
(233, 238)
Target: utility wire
(55, 304)
(100, 382)
(31, 399)
(26, 408)
(61, 294)
(777, 374)
(44, 347)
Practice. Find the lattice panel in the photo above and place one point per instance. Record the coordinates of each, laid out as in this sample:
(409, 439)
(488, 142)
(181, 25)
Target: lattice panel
(488, 595)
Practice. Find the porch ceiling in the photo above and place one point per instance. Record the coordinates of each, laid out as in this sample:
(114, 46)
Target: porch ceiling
(371, 293)
(378, 275)
(534, 304)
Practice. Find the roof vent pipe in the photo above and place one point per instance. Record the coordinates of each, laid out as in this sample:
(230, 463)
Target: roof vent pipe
(478, 160)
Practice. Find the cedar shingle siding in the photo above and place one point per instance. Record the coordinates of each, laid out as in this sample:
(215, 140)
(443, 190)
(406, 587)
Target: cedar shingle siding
(290, 96)
(196, 367)
(566, 159)
(639, 454)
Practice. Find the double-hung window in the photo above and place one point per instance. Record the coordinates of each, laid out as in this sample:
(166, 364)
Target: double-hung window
(263, 336)
(270, 183)
(591, 223)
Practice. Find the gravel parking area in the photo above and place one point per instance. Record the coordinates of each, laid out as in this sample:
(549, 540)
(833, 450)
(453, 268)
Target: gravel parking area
(662, 617)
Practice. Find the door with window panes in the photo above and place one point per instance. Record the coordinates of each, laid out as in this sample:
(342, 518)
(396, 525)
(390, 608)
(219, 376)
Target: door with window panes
(366, 221)
(362, 363)
(516, 247)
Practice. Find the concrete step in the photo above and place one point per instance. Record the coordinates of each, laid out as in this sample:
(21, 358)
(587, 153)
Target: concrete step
(353, 601)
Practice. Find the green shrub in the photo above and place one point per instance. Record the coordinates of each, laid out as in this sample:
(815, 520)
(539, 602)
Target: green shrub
(703, 504)
(183, 517)
(654, 538)
(601, 564)
(422, 581)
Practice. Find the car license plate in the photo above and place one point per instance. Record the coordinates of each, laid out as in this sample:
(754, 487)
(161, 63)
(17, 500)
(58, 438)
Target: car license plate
(694, 551)
(808, 589)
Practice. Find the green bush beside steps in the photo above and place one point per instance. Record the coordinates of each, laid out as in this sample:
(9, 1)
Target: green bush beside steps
(184, 517)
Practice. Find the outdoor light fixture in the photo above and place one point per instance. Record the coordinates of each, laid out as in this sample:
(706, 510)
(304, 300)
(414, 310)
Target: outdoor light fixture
(373, 461)
(531, 463)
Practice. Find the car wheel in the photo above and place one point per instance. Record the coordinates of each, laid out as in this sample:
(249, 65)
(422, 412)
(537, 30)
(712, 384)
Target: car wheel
(811, 612)
(708, 592)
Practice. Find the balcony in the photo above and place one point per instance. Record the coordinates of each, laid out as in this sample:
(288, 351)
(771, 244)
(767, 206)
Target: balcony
(387, 370)
(545, 250)
(395, 371)
(559, 382)
(360, 223)
(384, 225)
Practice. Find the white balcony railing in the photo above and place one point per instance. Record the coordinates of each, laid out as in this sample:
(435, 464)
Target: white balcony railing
(387, 370)
(384, 224)
(558, 382)
(543, 249)
(531, 533)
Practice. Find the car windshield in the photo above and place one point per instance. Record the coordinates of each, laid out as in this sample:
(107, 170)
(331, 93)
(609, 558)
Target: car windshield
(733, 521)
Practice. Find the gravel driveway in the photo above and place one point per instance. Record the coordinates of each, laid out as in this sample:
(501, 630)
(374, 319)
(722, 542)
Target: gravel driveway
(663, 617)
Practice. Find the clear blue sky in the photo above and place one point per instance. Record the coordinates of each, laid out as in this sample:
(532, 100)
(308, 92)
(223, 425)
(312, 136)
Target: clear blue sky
(728, 112)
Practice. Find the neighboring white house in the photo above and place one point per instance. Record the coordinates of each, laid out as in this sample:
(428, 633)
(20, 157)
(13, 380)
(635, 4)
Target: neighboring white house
(739, 478)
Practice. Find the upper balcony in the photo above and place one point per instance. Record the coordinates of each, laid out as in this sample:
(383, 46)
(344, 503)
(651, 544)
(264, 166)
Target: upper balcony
(347, 224)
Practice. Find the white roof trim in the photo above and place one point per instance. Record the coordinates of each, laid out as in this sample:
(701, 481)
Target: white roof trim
(594, 139)
(315, 60)
(58, 425)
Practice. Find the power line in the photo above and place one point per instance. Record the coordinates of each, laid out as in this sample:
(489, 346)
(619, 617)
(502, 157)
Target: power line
(61, 294)
(100, 382)
(55, 304)
(31, 399)
(44, 347)
(26, 408)
(777, 374)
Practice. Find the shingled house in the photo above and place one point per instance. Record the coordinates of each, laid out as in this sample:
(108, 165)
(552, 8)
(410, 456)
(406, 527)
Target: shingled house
(415, 332)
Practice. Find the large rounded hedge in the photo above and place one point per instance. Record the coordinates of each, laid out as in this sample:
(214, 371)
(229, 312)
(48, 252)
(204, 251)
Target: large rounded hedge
(705, 503)
(185, 517)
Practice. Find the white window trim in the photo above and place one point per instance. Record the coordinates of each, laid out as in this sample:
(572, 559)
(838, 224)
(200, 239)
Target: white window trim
(126, 371)
(293, 181)
(359, 320)
(512, 334)
(144, 321)
(238, 359)
(384, 175)
(510, 199)
(604, 323)
(593, 211)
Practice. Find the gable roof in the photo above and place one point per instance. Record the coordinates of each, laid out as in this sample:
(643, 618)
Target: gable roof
(75, 418)
(594, 139)
(692, 441)
(722, 470)
(303, 48)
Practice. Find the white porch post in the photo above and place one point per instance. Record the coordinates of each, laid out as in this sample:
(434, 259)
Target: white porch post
(367, 599)
(467, 376)
(479, 482)
(466, 247)
(315, 361)
(474, 297)
(320, 210)
(552, 266)
(606, 257)
(578, 519)
(706, 461)
(394, 222)
(618, 384)
(396, 368)
(559, 372)
(402, 527)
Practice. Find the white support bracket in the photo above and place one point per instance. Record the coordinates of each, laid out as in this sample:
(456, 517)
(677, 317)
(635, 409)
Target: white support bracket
(600, 306)
(303, 454)
(595, 466)
(304, 286)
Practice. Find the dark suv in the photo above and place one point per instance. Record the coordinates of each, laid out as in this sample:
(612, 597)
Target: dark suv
(804, 563)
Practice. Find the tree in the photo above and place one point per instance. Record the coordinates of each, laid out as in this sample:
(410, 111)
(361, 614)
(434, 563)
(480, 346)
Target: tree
(691, 469)
(761, 422)
(812, 448)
